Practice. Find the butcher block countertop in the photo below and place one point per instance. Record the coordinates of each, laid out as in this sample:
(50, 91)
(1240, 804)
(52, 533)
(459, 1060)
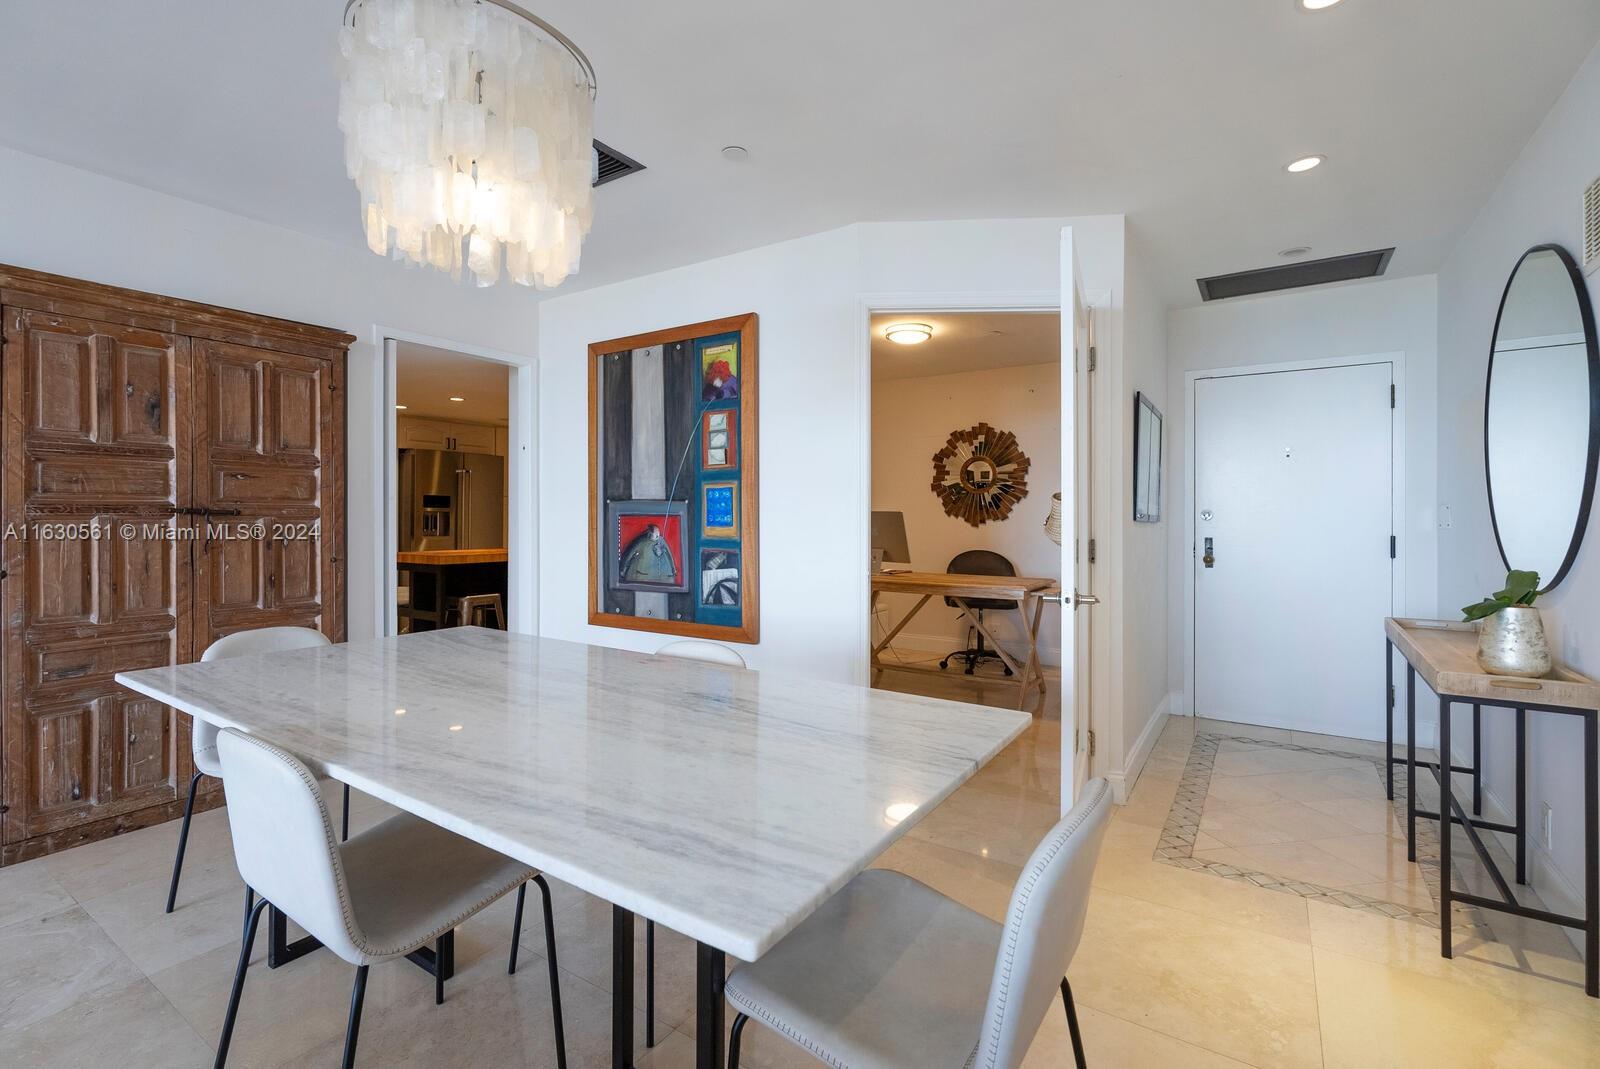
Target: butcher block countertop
(452, 556)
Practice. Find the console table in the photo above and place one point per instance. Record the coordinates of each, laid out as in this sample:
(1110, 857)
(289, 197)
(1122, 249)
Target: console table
(1445, 653)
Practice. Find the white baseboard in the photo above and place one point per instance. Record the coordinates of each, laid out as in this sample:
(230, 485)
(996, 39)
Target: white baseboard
(1558, 892)
(1122, 780)
(943, 644)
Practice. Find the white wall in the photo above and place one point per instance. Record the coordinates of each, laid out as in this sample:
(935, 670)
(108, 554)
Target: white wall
(1359, 319)
(813, 295)
(911, 419)
(1142, 556)
(1538, 201)
(73, 222)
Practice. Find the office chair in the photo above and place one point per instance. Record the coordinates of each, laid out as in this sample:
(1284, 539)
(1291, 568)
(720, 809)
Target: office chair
(979, 562)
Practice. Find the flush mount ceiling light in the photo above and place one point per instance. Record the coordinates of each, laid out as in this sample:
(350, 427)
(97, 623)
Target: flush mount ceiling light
(735, 153)
(399, 408)
(458, 398)
(1304, 164)
(1316, 5)
(1295, 250)
(468, 131)
(908, 333)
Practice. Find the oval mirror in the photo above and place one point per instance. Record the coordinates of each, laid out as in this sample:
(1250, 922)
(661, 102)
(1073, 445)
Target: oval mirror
(1541, 421)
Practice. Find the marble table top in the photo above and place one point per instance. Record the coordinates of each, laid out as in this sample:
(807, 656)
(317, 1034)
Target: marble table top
(723, 803)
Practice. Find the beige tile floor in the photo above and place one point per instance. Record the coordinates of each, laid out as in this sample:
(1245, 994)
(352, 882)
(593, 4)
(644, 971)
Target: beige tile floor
(1177, 968)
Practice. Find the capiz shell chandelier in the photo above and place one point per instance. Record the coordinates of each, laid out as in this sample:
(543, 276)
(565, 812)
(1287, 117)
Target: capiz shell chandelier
(468, 130)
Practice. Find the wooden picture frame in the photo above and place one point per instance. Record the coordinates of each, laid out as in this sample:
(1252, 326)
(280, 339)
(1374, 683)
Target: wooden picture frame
(658, 459)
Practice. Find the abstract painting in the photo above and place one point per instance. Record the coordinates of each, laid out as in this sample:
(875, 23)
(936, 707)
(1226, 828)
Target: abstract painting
(672, 481)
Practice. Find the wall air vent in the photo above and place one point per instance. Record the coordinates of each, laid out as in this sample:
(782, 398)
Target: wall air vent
(1293, 276)
(610, 165)
(1591, 228)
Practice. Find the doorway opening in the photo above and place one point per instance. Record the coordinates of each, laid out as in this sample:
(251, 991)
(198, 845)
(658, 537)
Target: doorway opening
(458, 501)
(966, 427)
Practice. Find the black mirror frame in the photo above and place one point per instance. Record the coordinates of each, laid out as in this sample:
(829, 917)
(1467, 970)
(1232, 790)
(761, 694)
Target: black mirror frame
(1586, 311)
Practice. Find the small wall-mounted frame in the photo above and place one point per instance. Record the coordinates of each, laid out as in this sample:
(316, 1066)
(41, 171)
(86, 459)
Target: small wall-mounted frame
(672, 481)
(1147, 423)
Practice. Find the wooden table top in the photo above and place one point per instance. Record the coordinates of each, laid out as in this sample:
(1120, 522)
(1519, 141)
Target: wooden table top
(956, 585)
(452, 556)
(1445, 654)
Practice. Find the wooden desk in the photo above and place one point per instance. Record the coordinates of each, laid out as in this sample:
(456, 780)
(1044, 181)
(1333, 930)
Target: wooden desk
(449, 573)
(1445, 653)
(1029, 594)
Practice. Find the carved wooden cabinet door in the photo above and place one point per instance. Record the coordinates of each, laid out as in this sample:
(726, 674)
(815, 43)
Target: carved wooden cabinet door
(267, 427)
(96, 472)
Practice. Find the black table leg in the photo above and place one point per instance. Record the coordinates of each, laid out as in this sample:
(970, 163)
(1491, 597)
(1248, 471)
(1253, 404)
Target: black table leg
(1445, 801)
(1591, 855)
(621, 988)
(1388, 719)
(1522, 795)
(1411, 763)
(1477, 759)
(709, 972)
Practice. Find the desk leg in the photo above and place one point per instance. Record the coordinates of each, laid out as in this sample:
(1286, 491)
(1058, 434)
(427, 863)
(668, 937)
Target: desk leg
(1522, 795)
(1591, 858)
(877, 663)
(621, 988)
(1388, 719)
(709, 1009)
(1446, 795)
(1411, 763)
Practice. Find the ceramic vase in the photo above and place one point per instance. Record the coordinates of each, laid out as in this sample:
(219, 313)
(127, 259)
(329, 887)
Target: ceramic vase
(1512, 643)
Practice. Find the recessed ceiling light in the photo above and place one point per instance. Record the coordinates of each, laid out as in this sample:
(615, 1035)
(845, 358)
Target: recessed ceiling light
(1305, 163)
(399, 712)
(458, 398)
(1317, 5)
(1297, 250)
(908, 333)
(455, 727)
(736, 153)
(399, 408)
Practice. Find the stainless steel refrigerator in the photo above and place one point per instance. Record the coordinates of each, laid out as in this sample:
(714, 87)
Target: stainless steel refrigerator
(451, 500)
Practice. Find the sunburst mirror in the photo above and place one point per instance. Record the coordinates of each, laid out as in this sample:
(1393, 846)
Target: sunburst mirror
(980, 474)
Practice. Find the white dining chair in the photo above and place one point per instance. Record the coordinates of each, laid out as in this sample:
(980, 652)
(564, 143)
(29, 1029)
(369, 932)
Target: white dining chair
(688, 649)
(888, 973)
(396, 887)
(203, 736)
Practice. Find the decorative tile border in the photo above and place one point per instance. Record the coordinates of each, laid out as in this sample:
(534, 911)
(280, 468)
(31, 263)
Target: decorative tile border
(1176, 845)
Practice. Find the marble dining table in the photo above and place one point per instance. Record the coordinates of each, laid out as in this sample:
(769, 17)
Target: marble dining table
(723, 803)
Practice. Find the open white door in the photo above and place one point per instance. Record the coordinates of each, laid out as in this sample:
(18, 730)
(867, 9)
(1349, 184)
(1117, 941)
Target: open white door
(1076, 490)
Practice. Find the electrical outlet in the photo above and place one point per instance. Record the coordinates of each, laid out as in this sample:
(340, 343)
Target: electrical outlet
(1546, 823)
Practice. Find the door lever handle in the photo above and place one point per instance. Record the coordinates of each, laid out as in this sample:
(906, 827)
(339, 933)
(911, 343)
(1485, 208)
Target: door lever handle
(1084, 599)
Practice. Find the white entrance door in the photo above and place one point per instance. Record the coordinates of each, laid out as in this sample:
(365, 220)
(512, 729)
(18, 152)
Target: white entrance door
(1293, 571)
(1076, 490)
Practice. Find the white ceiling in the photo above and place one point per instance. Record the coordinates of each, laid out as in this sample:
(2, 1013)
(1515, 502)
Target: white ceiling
(426, 378)
(966, 341)
(1179, 114)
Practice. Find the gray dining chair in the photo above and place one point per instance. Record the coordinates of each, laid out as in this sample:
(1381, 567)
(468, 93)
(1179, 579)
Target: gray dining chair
(203, 736)
(396, 887)
(889, 973)
(686, 649)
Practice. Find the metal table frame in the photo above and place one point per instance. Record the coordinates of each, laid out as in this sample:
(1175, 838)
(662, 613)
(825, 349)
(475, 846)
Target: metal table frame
(1452, 812)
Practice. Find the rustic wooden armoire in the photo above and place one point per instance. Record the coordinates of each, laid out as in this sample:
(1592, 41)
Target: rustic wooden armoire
(170, 472)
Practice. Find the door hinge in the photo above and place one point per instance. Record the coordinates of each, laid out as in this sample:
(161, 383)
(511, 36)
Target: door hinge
(1091, 551)
(1091, 742)
(1094, 357)
(1391, 395)
(1391, 547)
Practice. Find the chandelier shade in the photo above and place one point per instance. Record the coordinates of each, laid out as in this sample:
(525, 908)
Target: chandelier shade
(468, 130)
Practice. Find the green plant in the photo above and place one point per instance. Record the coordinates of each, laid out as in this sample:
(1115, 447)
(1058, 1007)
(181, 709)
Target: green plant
(1521, 589)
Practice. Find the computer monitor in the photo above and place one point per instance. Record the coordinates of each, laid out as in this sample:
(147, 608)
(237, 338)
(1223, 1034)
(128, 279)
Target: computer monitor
(889, 536)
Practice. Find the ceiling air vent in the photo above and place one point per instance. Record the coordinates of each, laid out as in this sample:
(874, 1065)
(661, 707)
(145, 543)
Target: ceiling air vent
(1591, 228)
(1293, 276)
(610, 165)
